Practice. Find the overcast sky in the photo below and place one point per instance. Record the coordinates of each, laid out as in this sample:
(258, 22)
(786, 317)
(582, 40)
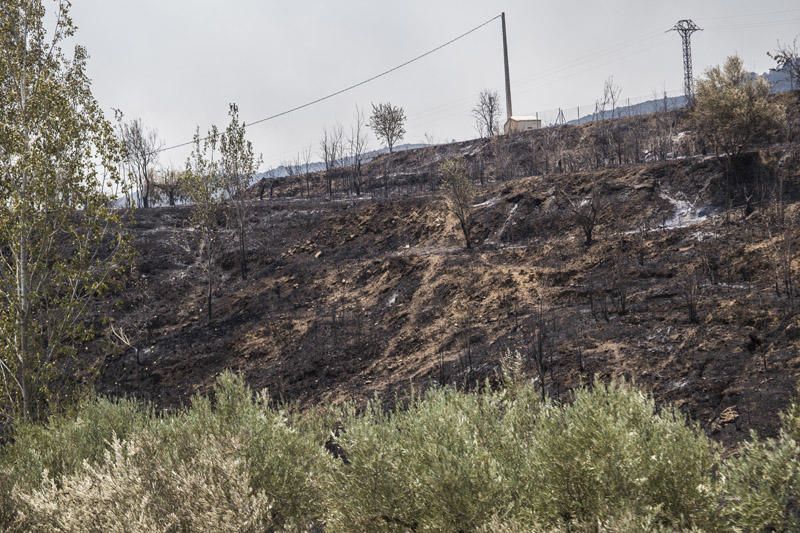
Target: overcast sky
(176, 64)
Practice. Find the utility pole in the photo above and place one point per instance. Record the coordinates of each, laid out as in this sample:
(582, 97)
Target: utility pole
(505, 59)
(685, 28)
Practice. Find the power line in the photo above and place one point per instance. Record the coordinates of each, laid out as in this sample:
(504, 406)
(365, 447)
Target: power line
(351, 87)
(754, 25)
(544, 77)
(753, 15)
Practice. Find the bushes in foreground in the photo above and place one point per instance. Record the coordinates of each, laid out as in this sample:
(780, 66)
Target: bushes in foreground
(446, 461)
(452, 461)
(236, 462)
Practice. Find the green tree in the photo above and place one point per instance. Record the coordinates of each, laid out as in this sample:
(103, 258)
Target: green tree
(238, 166)
(60, 244)
(389, 123)
(733, 109)
(202, 184)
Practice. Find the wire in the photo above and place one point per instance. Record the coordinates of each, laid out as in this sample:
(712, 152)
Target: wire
(752, 15)
(752, 25)
(349, 88)
(589, 58)
(542, 77)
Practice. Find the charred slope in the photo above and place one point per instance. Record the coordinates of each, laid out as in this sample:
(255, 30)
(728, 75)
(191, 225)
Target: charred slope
(346, 299)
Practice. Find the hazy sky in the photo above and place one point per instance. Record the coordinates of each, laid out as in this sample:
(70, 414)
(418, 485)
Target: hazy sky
(176, 64)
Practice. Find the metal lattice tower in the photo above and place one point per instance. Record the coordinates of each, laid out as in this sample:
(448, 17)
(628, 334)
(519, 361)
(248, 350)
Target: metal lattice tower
(685, 29)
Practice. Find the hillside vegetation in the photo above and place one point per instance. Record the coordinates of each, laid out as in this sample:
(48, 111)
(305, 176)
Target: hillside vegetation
(580, 328)
(445, 461)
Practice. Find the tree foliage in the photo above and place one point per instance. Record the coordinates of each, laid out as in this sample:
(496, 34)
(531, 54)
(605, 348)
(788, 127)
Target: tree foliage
(60, 245)
(238, 166)
(204, 188)
(499, 459)
(733, 110)
(388, 122)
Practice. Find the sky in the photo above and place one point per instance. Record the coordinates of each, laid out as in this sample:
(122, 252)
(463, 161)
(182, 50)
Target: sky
(177, 64)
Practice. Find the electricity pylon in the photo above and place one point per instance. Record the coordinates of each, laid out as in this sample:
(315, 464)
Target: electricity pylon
(685, 29)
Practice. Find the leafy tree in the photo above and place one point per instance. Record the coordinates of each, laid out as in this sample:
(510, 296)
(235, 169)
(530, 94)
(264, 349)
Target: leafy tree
(388, 122)
(238, 165)
(203, 186)
(460, 193)
(733, 109)
(60, 245)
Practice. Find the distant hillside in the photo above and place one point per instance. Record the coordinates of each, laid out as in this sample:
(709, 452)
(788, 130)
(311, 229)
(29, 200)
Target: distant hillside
(779, 80)
(645, 108)
(318, 166)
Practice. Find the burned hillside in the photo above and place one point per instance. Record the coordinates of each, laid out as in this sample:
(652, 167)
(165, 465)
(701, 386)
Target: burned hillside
(685, 289)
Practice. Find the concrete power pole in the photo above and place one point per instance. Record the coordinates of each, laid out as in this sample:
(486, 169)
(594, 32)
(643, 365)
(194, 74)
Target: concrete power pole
(685, 28)
(505, 59)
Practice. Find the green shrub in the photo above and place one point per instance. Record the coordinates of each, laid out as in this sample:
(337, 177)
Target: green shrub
(499, 460)
(281, 464)
(609, 453)
(136, 488)
(284, 464)
(429, 466)
(627, 523)
(452, 461)
(761, 486)
(791, 421)
(62, 445)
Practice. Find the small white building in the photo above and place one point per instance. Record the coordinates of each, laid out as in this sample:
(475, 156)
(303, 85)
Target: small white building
(519, 123)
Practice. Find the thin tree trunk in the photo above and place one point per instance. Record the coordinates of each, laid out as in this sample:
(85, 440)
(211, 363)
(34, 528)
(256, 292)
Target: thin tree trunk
(466, 232)
(22, 346)
(242, 246)
(209, 266)
(23, 288)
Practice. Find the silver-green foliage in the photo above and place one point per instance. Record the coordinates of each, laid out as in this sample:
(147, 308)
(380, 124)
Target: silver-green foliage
(429, 466)
(62, 445)
(97, 461)
(760, 487)
(496, 460)
(733, 109)
(134, 487)
(610, 453)
(456, 461)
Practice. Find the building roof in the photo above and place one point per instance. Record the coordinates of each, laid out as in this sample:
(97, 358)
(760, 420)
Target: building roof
(523, 118)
